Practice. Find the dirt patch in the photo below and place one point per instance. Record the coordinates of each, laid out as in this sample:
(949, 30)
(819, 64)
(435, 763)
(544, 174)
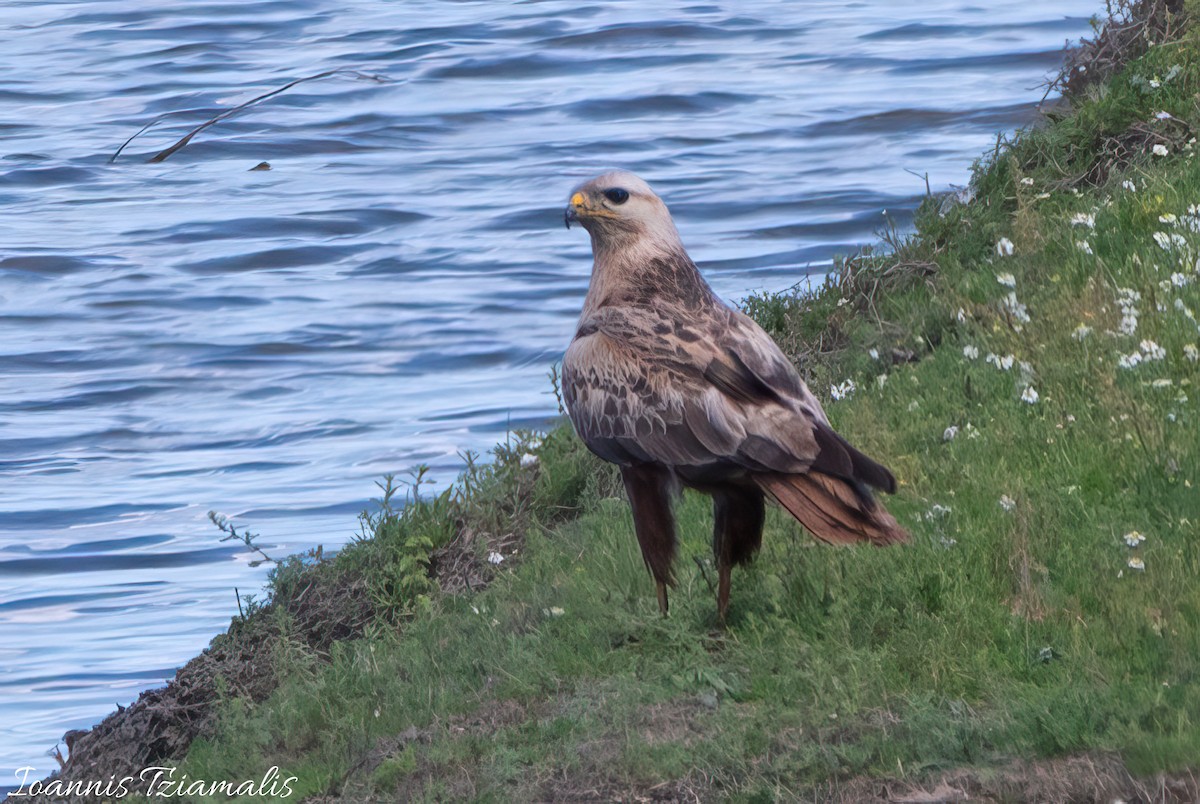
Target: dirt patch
(162, 723)
(581, 790)
(1115, 154)
(679, 721)
(1089, 778)
(461, 565)
(361, 781)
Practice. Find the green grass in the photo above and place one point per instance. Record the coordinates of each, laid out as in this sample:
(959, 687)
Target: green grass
(998, 633)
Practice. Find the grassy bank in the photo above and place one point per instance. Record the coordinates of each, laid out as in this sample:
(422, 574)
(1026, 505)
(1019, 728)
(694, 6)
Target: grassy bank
(1026, 363)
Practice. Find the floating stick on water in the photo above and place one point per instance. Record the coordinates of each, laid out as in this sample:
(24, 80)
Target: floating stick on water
(164, 154)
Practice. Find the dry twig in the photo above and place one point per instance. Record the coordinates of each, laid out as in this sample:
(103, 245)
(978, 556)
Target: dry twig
(164, 154)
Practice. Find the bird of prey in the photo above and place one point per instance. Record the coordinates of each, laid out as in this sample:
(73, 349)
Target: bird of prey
(675, 387)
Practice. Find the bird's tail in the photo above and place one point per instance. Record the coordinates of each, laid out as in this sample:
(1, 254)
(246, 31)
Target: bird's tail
(832, 509)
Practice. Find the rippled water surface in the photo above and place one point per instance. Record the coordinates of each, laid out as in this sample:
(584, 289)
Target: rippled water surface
(194, 335)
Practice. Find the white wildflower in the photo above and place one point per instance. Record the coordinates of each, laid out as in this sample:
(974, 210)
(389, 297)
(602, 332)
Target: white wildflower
(881, 380)
(1129, 185)
(843, 302)
(1163, 383)
(843, 391)
(971, 352)
(1169, 241)
(1042, 196)
(1126, 299)
(1129, 361)
(1162, 116)
(1084, 219)
(1083, 246)
(1007, 503)
(495, 558)
(913, 405)
(1002, 363)
(553, 611)
(1159, 150)
(1168, 219)
(1192, 219)
(1016, 309)
(1029, 395)
(1004, 247)
(937, 511)
(961, 315)
(874, 353)
(1081, 332)
(1027, 181)
(1152, 350)
(528, 459)
(1008, 280)
(1191, 352)
(972, 431)
(949, 433)
(1136, 563)
(1180, 280)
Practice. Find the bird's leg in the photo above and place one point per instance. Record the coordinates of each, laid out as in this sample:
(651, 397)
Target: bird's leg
(723, 533)
(724, 569)
(650, 490)
(738, 515)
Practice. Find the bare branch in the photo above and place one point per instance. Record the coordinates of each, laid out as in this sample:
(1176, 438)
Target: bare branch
(165, 154)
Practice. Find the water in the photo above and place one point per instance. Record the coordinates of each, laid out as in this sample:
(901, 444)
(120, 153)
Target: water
(192, 335)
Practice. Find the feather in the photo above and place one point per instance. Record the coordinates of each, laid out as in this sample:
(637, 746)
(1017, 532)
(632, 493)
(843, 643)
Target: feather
(831, 509)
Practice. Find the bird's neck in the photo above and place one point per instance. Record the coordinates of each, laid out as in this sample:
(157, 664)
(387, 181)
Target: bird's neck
(644, 271)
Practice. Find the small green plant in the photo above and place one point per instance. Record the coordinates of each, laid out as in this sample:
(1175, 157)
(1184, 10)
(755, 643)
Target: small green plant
(403, 539)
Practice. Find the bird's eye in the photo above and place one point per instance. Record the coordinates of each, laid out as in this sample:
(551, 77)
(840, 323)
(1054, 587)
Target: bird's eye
(617, 195)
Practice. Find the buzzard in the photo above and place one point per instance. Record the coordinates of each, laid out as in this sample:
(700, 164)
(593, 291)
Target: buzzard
(674, 386)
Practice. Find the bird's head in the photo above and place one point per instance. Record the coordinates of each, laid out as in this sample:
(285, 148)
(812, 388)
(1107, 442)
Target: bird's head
(618, 206)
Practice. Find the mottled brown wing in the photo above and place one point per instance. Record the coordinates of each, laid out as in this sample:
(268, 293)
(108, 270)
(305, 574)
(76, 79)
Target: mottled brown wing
(636, 392)
(628, 411)
(761, 368)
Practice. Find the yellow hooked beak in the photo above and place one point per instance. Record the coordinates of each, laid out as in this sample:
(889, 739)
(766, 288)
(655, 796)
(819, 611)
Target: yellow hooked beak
(573, 209)
(579, 208)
